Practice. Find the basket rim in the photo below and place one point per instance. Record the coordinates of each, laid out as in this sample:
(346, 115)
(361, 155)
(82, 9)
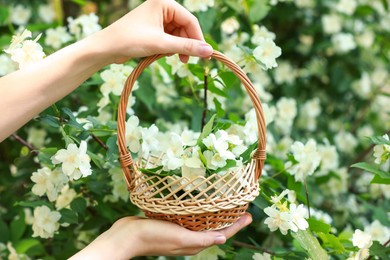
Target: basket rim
(125, 156)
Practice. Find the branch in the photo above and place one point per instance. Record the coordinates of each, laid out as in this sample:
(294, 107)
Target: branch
(32, 148)
(99, 141)
(205, 84)
(307, 197)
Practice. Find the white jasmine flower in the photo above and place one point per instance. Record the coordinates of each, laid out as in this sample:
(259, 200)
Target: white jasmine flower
(298, 215)
(345, 142)
(363, 86)
(133, 134)
(66, 197)
(56, 37)
(361, 239)
(28, 53)
(343, 42)
(150, 143)
(260, 33)
(189, 137)
(346, 6)
(84, 25)
(278, 220)
(198, 5)
(263, 256)
(172, 158)
(267, 52)
(19, 14)
(75, 161)
(7, 65)
(329, 158)
(45, 222)
(47, 13)
(214, 160)
(48, 182)
(320, 215)
(286, 112)
(364, 132)
(307, 157)
(309, 113)
(114, 79)
(36, 137)
(365, 39)
(331, 23)
(378, 232)
(284, 73)
(119, 187)
(305, 3)
(362, 254)
(382, 151)
(230, 25)
(42, 181)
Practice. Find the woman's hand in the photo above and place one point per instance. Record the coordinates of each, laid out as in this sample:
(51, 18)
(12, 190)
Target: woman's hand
(134, 236)
(154, 27)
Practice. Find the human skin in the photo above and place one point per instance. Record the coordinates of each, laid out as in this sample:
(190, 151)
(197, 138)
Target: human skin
(135, 236)
(155, 27)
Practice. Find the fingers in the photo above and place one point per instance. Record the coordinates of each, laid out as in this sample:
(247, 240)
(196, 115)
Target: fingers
(244, 221)
(177, 14)
(186, 46)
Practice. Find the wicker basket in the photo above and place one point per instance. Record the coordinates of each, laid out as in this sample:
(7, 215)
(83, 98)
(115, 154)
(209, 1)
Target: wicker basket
(204, 203)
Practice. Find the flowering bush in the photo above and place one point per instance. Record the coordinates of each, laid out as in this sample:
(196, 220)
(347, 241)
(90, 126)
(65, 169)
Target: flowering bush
(321, 70)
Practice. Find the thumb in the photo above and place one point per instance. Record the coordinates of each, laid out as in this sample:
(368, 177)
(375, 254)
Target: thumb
(186, 46)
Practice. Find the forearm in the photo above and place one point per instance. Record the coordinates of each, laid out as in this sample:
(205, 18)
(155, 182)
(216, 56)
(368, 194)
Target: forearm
(25, 93)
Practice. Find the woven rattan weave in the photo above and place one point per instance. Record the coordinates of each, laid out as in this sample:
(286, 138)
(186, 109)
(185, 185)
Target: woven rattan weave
(204, 203)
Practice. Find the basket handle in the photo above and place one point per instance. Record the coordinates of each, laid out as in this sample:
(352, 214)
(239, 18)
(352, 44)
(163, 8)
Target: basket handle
(125, 157)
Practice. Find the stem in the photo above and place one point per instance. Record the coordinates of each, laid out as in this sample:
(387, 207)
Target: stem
(32, 149)
(205, 82)
(99, 141)
(311, 245)
(307, 197)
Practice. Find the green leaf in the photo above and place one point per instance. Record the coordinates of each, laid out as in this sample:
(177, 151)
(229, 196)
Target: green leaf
(379, 140)
(4, 231)
(207, 19)
(33, 204)
(332, 241)
(18, 226)
(79, 205)
(68, 216)
(4, 14)
(50, 120)
(258, 10)
(372, 168)
(206, 130)
(146, 93)
(23, 246)
(45, 155)
(378, 179)
(229, 78)
(96, 159)
(379, 250)
(318, 226)
(235, 5)
(112, 152)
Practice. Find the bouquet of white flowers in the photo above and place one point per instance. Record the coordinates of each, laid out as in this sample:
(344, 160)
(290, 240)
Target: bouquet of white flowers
(198, 180)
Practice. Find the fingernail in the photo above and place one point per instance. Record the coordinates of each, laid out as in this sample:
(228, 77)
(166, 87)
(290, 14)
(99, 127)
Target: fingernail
(220, 239)
(205, 50)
